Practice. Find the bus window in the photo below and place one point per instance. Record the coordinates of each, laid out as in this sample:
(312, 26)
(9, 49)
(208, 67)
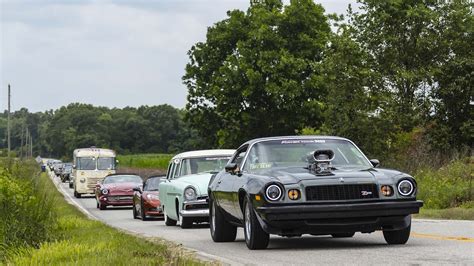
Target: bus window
(86, 163)
(106, 163)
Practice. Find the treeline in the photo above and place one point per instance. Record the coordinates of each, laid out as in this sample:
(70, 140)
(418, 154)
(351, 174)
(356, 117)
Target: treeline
(396, 76)
(146, 129)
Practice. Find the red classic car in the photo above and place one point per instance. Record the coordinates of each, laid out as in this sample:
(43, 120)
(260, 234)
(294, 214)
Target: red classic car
(116, 190)
(146, 201)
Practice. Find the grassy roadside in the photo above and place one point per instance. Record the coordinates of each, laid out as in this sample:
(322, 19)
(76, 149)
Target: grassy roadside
(81, 241)
(448, 214)
(145, 161)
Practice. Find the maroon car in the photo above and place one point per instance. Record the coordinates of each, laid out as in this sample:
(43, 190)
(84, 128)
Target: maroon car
(116, 190)
(146, 201)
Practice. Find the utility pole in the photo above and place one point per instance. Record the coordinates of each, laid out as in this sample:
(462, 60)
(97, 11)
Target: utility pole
(8, 122)
(27, 138)
(21, 142)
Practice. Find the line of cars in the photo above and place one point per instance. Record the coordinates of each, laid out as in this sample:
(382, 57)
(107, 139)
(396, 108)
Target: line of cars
(287, 186)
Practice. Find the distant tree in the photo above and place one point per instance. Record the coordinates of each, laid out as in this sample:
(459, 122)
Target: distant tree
(258, 73)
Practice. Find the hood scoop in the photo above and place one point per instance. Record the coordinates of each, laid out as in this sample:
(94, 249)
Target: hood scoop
(320, 162)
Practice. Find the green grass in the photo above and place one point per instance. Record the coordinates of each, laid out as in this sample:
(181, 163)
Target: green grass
(145, 161)
(81, 241)
(457, 213)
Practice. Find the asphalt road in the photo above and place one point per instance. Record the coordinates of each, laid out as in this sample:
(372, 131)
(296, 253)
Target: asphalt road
(432, 242)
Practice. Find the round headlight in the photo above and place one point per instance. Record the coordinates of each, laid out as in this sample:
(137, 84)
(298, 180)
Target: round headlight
(104, 191)
(406, 188)
(152, 197)
(83, 180)
(273, 192)
(190, 193)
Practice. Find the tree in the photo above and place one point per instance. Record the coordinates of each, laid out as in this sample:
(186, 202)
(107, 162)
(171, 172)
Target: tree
(258, 73)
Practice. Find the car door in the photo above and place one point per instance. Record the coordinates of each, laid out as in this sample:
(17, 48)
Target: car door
(164, 187)
(226, 196)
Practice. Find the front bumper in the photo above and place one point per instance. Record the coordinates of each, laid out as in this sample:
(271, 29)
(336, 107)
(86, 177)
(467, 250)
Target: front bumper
(335, 218)
(116, 200)
(195, 208)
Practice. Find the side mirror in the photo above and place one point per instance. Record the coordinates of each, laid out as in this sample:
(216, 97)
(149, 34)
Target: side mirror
(231, 168)
(73, 166)
(375, 162)
(137, 189)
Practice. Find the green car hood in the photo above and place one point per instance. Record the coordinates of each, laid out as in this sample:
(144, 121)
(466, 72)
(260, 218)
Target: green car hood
(199, 181)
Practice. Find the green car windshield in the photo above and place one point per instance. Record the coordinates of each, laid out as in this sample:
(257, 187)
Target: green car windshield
(202, 165)
(294, 153)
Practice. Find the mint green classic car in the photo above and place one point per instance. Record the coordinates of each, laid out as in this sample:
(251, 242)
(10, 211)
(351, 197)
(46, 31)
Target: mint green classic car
(183, 195)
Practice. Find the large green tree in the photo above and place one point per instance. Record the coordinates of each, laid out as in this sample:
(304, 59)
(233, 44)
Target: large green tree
(258, 73)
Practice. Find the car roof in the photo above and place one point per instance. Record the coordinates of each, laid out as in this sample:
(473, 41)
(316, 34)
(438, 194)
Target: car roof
(93, 151)
(203, 153)
(250, 142)
(117, 174)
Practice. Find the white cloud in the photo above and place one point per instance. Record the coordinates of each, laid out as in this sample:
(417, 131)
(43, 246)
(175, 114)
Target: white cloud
(112, 53)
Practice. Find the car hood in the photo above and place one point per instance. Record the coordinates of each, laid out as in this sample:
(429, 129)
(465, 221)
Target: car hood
(346, 175)
(198, 181)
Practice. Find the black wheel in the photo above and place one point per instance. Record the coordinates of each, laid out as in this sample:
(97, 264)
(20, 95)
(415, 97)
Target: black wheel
(255, 237)
(71, 185)
(185, 222)
(102, 206)
(63, 180)
(135, 216)
(97, 203)
(168, 220)
(397, 237)
(142, 212)
(342, 235)
(76, 194)
(221, 230)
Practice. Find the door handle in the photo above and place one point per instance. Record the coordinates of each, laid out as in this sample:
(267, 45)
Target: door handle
(220, 181)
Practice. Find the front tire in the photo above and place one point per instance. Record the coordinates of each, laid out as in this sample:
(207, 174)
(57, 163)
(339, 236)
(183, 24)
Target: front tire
(397, 237)
(142, 212)
(135, 216)
(255, 237)
(71, 185)
(168, 220)
(221, 230)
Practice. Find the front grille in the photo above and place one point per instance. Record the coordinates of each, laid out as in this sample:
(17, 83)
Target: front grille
(342, 192)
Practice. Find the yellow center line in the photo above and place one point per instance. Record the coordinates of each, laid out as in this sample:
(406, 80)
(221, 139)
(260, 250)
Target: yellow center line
(439, 237)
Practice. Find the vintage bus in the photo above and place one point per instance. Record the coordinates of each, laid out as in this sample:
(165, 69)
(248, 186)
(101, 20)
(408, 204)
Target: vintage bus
(90, 166)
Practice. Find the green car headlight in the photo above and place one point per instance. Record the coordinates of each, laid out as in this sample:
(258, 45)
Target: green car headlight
(189, 193)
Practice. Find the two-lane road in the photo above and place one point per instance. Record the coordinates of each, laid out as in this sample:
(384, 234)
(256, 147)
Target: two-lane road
(432, 242)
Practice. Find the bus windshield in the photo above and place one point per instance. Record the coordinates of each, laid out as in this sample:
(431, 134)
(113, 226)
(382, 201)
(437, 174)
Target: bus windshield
(106, 163)
(86, 163)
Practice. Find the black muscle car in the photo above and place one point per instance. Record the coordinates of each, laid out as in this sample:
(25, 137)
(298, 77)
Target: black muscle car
(316, 185)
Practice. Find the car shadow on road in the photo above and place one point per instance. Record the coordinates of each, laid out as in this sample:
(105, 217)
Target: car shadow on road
(321, 243)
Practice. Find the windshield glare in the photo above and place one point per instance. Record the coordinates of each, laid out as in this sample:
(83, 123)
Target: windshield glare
(122, 179)
(294, 152)
(202, 164)
(152, 184)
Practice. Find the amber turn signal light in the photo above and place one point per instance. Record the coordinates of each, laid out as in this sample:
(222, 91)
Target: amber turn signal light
(387, 191)
(294, 194)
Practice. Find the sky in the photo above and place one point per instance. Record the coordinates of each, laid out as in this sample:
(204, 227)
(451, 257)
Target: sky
(106, 53)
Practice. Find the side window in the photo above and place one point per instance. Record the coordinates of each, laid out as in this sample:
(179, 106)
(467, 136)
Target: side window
(239, 156)
(176, 169)
(170, 171)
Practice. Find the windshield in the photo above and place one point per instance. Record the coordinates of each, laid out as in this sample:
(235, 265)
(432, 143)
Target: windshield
(86, 163)
(122, 179)
(106, 163)
(152, 184)
(202, 164)
(294, 152)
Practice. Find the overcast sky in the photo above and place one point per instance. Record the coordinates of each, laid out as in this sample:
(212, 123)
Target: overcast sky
(107, 53)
